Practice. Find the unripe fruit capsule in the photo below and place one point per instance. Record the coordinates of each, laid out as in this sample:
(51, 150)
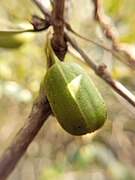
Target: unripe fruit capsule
(74, 99)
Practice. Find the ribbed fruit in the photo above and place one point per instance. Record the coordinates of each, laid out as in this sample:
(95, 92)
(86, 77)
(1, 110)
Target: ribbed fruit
(74, 99)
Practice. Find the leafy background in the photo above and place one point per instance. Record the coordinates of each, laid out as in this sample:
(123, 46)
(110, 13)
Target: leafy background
(107, 154)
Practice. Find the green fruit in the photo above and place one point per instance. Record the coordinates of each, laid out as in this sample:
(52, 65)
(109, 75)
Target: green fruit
(74, 99)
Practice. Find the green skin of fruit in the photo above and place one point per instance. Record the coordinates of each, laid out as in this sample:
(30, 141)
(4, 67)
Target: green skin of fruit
(74, 99)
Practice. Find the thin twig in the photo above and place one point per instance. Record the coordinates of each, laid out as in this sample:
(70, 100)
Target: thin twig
(102, 72)
(120, 53)
(119, 50)
(43, 9)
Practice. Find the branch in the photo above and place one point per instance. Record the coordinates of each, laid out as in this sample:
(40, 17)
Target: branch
(58, 42)
(101, 71)
(39, 114)
(43, 9)
(120, 51)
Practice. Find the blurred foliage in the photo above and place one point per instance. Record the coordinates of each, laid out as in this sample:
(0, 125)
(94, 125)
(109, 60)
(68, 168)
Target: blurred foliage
(107, 154)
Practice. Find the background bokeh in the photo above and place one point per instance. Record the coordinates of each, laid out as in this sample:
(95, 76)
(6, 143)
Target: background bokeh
(108, 154)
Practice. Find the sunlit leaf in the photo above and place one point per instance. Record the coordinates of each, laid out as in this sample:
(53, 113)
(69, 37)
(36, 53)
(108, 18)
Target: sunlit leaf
(14, 38)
